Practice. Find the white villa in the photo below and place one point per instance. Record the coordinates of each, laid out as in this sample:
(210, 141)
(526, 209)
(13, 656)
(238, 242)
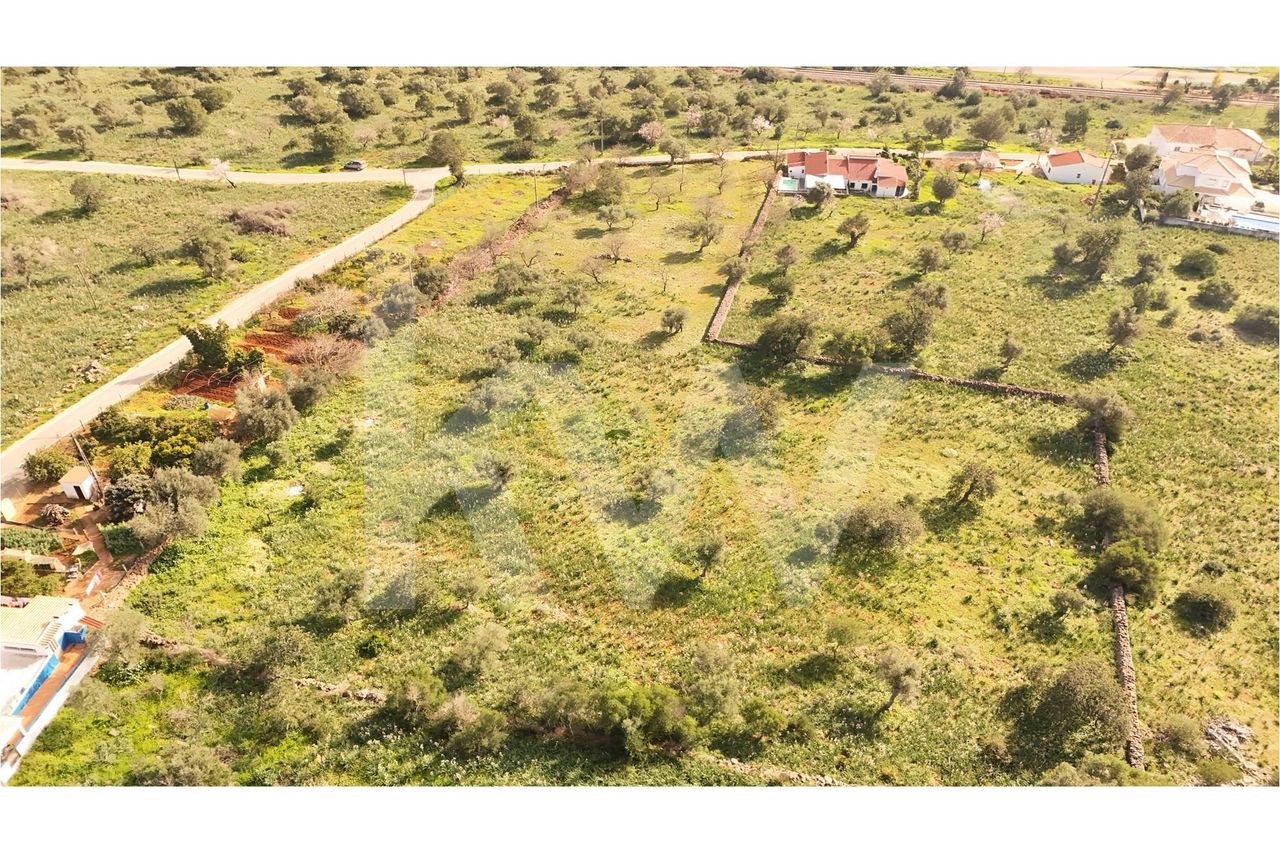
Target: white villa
(1212, 176)
(1238, 142)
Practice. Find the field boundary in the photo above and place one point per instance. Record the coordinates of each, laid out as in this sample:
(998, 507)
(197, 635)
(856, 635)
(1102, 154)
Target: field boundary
(1126, 675)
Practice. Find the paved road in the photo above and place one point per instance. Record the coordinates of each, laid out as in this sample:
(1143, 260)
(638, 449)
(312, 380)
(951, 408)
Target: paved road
(124, 385)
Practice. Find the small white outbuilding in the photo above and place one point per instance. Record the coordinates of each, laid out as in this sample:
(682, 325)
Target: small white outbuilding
(78, 483)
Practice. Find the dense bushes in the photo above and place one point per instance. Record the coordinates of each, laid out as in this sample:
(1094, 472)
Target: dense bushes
(19, 578)
(1217, 294)
(1259, 320)
(48, 465)
(1200, 263)
(1129, 564)
(884, 524)
(35, 541)
(1113, 515)
(1206, 607)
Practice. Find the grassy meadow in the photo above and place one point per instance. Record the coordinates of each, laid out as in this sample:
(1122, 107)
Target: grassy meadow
(256, 129)
(96, 299)
(582, 587)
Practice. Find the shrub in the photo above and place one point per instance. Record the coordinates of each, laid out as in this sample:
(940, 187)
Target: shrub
(1218, 248)
(267, 218)
(641, 717)
(783, 338)
(1178, 205)
(1129, 564)
(480, 650)
(188, 116)
(128, 459)
(761, 720)
(1206, 607)
(415, 699)
(267, 414)
(1083, 707)
(1114, 515)
(944, 187)
(90, 192)
(1181, 734)
(120, 539)
(48, 465)
(884, 524)
(211, 97)
(1200, 263)
(1218, 294)
(1104, 409)
(1150, 266)
(331, 139)
(431, 279)
(673, 319)
(1217, 771)
(360, 101)
(182, 763)
(1259, 320)
(399, 303)
(219, 459)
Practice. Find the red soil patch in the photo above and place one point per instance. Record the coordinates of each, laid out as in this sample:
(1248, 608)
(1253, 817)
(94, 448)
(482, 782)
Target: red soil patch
(277, 344)
(217, 387)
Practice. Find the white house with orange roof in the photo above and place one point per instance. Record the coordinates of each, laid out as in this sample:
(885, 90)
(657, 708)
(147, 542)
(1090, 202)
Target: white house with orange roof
(875, 176)
(1076, 166)
(1211, 175)
(1239, 142)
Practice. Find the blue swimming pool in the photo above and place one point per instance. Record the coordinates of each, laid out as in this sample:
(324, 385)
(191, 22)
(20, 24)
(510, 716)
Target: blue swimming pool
(1257, 222)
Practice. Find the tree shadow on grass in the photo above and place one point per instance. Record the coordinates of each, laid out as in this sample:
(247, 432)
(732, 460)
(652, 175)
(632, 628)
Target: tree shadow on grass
(1059, 286)
(303, 159)
(1089, 365)
(166, 286)
(813, 669)
(861, 560)
(588, 232)
(811, 384)
(653, 340)
(905, 282)
(1063, 446)
(941, 515)
(681, 257)
(989, 374)
(675, 590)
(828, 250)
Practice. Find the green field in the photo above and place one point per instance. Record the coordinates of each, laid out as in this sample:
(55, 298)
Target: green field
(95, 298)
(257, 129)
(586, 591)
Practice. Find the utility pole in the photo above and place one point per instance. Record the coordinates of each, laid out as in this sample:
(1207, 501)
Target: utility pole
(1102, 182)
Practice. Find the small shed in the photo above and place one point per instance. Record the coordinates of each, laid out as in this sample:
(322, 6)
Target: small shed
(78, 483)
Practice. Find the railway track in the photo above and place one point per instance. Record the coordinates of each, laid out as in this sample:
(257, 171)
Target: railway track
(826, 75)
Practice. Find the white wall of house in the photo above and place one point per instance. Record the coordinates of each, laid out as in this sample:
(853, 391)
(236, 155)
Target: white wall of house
(886, 191)
(1074, 173)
